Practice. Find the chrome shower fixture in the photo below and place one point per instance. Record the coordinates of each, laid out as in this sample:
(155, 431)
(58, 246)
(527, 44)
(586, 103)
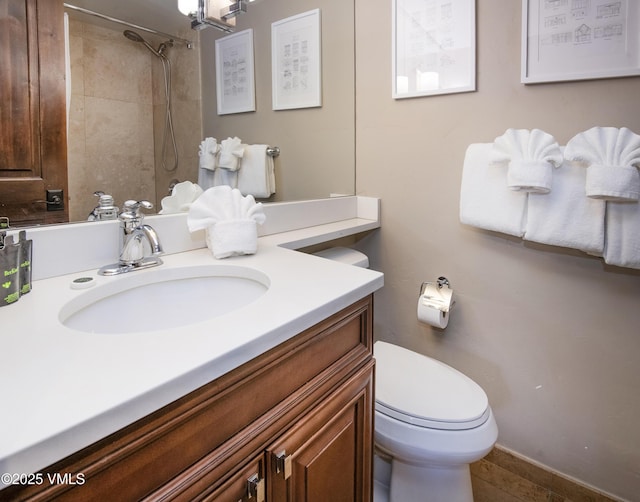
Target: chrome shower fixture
(169, 133)
(136, 37)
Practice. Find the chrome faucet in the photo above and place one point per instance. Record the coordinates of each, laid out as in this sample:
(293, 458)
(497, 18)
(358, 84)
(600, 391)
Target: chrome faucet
(133, 235)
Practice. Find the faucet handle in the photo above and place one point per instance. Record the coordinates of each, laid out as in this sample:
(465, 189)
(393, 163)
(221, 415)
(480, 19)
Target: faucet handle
(131, 210)
(133, 206)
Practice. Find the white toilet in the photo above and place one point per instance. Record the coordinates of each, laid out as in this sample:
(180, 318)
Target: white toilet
(431, 422)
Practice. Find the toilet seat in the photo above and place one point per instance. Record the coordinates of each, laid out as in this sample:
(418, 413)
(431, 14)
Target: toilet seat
(421, 391)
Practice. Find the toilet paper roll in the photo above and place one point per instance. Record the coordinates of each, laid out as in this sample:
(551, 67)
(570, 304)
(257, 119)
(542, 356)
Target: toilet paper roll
(431, 315)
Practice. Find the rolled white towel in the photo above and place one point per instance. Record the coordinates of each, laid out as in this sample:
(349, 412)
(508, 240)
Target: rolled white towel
(532, 157)
(229, 219)
(613, 157)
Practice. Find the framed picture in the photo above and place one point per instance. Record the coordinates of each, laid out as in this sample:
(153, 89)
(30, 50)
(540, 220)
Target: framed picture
(296, 61)
(579, 40)
(235, 79)
(434, 47)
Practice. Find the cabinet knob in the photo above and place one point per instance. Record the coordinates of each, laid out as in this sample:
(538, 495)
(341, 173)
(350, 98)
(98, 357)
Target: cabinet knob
(255, 488)
(282, 464)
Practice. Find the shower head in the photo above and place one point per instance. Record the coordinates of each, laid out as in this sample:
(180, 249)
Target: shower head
(132, 35)
(136, 37)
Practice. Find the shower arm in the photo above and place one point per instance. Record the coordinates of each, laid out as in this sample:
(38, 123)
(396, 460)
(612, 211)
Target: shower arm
(173, 38)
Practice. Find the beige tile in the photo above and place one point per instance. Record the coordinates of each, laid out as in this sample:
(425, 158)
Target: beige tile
(113, 135)
(117, 126)
(117, 70)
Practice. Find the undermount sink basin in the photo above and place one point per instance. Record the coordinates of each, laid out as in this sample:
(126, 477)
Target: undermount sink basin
(163, 298)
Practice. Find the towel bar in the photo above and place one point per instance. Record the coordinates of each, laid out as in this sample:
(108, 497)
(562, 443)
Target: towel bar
(273, 151)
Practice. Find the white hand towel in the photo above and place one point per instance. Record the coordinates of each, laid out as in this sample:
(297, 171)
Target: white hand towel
(613, 158)
(182, 196)
(231, 151)
(532, 157)
(565, 217)
(207, 178)
(485, 200)
(207, 153)
(257, 174)
(622, 245)
(229, 219)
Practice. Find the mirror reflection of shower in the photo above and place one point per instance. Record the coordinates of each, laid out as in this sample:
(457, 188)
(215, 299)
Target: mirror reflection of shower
(168, 132)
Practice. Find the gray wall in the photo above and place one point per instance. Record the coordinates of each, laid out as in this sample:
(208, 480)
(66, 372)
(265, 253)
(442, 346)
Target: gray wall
(551, 334)
(317, 144)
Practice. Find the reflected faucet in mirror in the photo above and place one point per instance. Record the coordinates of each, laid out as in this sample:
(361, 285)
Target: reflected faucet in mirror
(132, 236)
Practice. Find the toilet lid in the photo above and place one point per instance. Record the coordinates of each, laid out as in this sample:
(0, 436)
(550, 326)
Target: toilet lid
(419, 390)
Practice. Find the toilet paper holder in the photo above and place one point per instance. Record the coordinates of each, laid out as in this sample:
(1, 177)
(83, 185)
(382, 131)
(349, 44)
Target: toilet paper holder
(440, 283)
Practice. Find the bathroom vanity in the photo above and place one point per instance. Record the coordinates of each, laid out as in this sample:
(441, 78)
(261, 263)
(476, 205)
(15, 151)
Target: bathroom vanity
(270, 401)
(292, 424)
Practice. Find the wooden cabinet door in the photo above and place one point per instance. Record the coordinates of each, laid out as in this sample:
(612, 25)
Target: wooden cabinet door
(327, 454)
(32, 111)
(247, 485)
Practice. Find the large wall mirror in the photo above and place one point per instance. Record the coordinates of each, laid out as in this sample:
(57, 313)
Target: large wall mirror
(119, 142)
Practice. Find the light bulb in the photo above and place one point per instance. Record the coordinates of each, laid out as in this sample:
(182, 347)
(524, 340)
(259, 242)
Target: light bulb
(188, 7)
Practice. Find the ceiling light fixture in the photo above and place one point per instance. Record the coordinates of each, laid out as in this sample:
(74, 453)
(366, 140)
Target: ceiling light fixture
(217, 13)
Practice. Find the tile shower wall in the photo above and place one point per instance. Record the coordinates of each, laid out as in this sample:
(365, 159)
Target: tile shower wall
(116, 117)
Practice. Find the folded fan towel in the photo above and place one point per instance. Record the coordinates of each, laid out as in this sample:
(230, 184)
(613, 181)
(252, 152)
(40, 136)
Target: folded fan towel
(207, 153)
(565, 217)
(229, 220)
(257, 174)
(182, 196)
(485, 202)
(531, 155)
(613, 158)
(231, 151)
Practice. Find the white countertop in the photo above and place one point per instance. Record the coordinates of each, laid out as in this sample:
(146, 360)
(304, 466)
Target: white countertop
(63, 389)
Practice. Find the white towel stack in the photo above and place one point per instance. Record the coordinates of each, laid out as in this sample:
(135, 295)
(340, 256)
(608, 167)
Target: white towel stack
(232, 163)
(592, 204)
(256, 177)
(229, 219)
(182, 196)
(612, 157)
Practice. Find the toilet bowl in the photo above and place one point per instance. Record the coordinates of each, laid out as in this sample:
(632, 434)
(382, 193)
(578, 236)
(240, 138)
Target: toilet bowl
(431, 422)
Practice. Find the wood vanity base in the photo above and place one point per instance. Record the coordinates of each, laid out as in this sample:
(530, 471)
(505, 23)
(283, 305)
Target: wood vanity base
(294, 424)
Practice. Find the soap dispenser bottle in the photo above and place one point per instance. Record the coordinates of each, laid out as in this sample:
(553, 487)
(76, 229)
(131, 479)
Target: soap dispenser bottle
(105, 210)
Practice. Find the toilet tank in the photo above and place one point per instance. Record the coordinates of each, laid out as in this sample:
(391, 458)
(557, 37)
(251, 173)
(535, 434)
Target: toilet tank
(345, 255)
